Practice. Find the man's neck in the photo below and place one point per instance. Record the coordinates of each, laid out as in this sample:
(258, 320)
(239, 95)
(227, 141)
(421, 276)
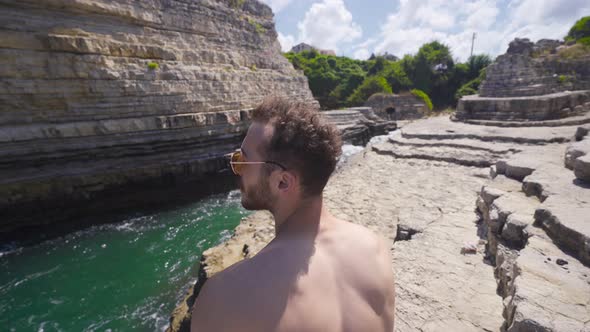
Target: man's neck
(304, 218)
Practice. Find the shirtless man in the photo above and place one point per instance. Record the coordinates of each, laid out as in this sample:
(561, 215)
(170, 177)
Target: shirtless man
(319, 273)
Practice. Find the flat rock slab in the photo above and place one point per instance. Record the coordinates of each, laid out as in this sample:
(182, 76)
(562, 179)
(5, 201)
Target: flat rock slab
(515, 203)
(567, 222)
(396, 138)
(465, 157)
(551, 291)
(444, 128)
(522, 164)
(555, 180)
(570, 121)
(582, 168)
(575, 150)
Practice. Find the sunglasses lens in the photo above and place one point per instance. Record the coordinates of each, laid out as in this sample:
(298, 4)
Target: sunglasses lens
(236, 157)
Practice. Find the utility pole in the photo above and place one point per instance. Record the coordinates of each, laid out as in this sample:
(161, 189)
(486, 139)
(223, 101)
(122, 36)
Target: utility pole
(472, 41)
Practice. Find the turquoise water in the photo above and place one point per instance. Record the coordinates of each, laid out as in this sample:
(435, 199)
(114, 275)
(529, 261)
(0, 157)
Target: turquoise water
(126, 276)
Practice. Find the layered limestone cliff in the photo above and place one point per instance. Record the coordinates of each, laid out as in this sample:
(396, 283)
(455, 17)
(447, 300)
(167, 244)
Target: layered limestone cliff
(103, 99)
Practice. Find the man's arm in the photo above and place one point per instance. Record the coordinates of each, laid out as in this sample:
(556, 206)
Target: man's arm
(387, 268)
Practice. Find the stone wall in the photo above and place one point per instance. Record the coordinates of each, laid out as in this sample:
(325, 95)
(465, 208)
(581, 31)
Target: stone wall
(532, 108)
(529, 69)
(98, 98)
(403, 106)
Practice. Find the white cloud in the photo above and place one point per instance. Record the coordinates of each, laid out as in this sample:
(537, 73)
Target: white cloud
(327, 25)
(438, 18)
(482, 15)
(277, 5)
(367, 43)
(286, 41)
(361, 54)
(453, 22)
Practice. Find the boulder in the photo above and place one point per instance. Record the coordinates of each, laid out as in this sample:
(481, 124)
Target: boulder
(514, 231)
(582, 168)
(520, 46)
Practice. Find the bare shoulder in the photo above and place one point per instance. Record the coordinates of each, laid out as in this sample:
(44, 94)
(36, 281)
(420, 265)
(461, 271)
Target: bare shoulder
(363, 255)
(239, 298)
(364, 239)
(369, 263)
(214, 308)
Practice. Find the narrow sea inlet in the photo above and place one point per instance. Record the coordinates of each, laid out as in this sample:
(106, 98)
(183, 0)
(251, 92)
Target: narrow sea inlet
(124, 276)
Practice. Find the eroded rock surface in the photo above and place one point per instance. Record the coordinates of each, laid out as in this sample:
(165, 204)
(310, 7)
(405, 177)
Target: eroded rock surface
(358, 124)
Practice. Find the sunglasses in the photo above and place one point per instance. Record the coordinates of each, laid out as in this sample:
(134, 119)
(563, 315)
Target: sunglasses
(237, 162)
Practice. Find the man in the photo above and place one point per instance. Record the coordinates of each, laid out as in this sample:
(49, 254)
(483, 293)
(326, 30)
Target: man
(319, 273)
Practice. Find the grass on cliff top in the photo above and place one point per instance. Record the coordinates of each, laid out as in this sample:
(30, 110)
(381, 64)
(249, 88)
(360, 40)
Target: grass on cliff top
(579, 50)
(257, 26)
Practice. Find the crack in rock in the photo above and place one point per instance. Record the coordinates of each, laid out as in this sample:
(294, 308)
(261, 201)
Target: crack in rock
(405, 233)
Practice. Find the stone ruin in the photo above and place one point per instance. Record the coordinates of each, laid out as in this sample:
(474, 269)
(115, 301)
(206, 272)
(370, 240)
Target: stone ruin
(402, 106)
(531, 82)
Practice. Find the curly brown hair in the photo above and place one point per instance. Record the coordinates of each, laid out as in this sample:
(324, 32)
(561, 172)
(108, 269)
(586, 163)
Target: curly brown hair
(302, 141)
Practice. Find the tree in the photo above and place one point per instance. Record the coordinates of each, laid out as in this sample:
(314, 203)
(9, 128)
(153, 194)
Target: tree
(476, 63)
(340, 81)
(430, 72)
(396, 77)
(371, 85)
(471, 87)
(580, 31)
(376, 65)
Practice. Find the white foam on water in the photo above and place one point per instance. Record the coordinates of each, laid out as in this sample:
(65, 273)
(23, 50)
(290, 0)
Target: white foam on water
(224, 235)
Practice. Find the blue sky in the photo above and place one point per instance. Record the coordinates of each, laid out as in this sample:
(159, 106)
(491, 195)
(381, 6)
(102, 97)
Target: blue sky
(357, 28)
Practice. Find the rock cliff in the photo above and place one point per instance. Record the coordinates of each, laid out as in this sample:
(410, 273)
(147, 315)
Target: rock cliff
(100, 98)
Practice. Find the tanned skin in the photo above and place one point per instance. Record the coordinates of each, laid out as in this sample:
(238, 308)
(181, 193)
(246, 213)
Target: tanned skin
(319, 273)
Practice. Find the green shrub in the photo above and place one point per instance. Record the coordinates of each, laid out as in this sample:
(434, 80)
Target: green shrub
(422, 95)
(237, 3)
(580, 29)
(562, 79)
(584, 41)
(253, 68)
(257, 26)
(371, 85)
(153, 65)
(471, 87)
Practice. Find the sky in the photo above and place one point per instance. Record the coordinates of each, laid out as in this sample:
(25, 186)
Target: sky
(358, 28)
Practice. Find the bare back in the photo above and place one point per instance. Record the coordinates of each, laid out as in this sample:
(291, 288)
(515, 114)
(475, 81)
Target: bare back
(339, 280)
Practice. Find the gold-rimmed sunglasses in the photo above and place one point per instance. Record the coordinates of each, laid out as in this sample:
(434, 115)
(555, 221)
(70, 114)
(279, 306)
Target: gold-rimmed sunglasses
(236, 160)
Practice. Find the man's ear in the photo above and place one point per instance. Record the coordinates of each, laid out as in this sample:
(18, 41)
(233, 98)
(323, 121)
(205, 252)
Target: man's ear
(286, 181)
